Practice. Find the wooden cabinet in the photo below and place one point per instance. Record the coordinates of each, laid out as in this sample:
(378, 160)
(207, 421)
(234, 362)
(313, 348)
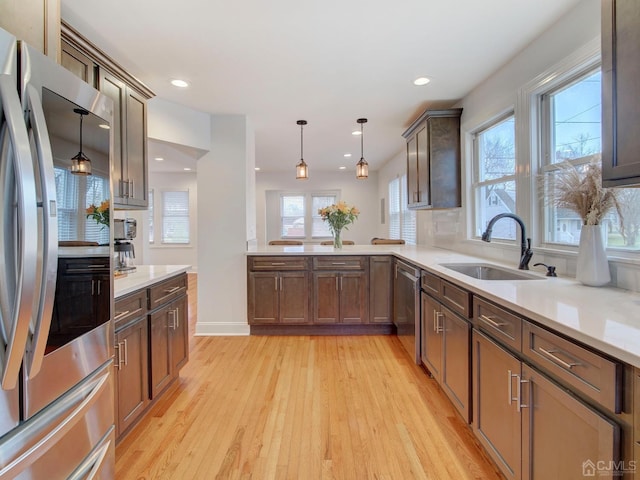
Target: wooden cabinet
(445, 339)
(340, 290)
(78, 63)
(36, 22)
(82, 299)
(562, 395)
(129, 126)
(433, 160)
(278, 290)
(168, 343)
(381, 289)
(131, 378)
(620, 100)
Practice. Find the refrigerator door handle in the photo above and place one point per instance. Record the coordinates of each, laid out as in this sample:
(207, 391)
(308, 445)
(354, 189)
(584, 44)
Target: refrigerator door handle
(92, 465)
(19, 250)
(47, 287)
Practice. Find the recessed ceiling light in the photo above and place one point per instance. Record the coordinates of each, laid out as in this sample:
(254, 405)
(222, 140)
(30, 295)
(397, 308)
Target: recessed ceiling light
(158, 159)
(342, 168)
(257, 169)
(105, 126)
(187, 169)
(421, 81)
(347, 155)
(179, 83)
(356, 132)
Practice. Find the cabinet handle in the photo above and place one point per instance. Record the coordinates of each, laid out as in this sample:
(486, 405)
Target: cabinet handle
(518, 397)
(126, 353)
(99, 287)
(172, 317)
(277, 264)
(275, 279)
(492, 322)
(93, 287)
(177, 322)
(132, 194)
(338, 263)
(437, 327)
(281, 284)
(550, 354)
(120, 315)
(510, 385)
(340, 282)
(118, 364)
(120, 188)
(171, 290)
(337, 288)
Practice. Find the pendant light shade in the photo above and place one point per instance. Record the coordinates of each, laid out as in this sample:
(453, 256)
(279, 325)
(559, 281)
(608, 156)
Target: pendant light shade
(302, 170)
(80, 164)
(362, 167)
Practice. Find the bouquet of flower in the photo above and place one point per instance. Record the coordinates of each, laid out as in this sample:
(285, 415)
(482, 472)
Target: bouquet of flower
(100, 213)
(581, 191)
(338, 216)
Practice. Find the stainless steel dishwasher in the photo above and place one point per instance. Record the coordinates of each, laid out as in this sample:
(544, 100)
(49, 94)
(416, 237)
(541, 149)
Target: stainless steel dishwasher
(406, 309)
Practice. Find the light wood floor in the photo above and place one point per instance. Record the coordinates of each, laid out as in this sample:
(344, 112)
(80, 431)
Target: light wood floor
(301, 408)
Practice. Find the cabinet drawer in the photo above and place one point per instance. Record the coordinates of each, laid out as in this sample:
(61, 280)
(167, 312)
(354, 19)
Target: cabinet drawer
(129, 307)
(588, 372)
(430, 283)
(456, 298)
(498, 323)
(84, 265)
(277, 263)
(166, 291)
(339, 263)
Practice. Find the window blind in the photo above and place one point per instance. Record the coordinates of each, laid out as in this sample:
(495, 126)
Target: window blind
(394, 208)
(408, 220)
(175, 217)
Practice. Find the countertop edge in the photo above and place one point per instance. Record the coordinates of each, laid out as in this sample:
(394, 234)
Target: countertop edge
(144, 276)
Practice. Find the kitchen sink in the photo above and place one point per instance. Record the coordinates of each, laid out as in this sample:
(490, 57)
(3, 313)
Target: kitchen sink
(485, 271)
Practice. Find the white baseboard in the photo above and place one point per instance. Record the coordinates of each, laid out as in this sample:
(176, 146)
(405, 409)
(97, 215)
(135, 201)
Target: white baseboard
(228, 329)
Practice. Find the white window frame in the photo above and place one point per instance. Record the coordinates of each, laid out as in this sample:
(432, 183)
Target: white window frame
(308, 213)
(162, 218)
(477, 185)
(407, 226)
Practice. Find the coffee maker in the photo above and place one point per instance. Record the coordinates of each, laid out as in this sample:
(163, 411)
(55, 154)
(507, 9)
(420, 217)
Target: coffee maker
(123, 233)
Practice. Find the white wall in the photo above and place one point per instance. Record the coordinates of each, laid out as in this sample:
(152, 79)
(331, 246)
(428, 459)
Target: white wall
(222, 227)
(173, 123)
(361, 193)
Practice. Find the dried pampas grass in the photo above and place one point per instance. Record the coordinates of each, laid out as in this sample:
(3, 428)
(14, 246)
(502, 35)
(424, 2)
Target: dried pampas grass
(581, 190)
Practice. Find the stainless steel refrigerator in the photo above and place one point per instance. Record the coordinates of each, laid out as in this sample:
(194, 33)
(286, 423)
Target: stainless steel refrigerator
(56, 328)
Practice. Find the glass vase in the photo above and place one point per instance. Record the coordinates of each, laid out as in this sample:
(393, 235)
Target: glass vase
(337, 239)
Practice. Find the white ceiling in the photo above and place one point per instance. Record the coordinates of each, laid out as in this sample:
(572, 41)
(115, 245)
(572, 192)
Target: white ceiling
(328, 62)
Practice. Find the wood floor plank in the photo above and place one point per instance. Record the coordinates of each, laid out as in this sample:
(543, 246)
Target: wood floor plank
(301, 408)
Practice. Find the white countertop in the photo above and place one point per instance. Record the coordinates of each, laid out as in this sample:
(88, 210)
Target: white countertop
(144, 276)
(607, 319)
(83, 252)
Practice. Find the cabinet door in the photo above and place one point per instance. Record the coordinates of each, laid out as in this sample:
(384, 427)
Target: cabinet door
(353, 297)
(81, 303)
(132, 383)
(561, 433)
(160, 343)
(431, 341)
(263, 297)
(326, 297)
(116, 90)
(620, 101)
(412, 170)
(444, 162)
(294, 297)
(179, 335)
(424, 168)
(136, 150)
(380, 289)
(496, 415)
(456, 339)
(78, 63)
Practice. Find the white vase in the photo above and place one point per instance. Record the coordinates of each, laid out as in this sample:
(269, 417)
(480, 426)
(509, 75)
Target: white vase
(593, 267)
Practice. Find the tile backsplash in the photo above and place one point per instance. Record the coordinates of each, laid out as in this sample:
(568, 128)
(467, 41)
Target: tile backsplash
(445, 229)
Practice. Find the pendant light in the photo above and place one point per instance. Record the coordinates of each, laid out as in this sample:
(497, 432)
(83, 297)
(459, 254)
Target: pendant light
(302, 170)
(80, 164)
(362, 167)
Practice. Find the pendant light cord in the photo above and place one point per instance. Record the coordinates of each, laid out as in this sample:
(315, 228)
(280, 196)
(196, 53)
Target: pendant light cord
(362, 140)
(301, 127)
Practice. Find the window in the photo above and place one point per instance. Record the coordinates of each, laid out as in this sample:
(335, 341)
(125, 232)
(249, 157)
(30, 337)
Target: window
(298, 211)
(494, 183)
(74, 194)
(151, 233)
(175, 217)
(402, 221)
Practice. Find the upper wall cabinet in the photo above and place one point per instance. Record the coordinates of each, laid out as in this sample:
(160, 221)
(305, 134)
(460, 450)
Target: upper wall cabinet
(433, 160)
(620, 100)
(129, 172)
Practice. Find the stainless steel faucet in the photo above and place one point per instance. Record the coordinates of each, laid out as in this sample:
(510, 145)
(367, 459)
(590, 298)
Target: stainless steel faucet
(525, 243)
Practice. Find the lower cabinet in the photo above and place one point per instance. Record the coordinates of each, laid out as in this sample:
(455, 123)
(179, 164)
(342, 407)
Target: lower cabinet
(444, 351)
(132, 366)
(340, 297)
(278, 297)
(532, 427)
(381, 289)
(168, 343)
